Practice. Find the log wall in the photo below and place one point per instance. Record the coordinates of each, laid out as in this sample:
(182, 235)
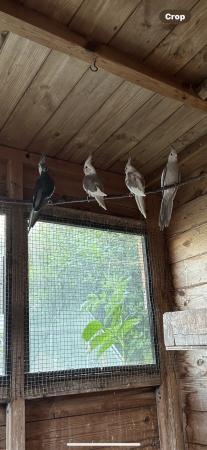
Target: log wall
(187, 244)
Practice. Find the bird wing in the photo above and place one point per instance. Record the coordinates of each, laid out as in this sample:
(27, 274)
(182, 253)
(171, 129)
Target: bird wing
(93, 186)
(170, 175)
(163, 176)
(43, 190)
(135, 182)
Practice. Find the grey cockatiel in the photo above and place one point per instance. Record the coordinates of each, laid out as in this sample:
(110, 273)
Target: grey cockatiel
(136, 185)
(92, 184)
(43, 190)
(170, 175)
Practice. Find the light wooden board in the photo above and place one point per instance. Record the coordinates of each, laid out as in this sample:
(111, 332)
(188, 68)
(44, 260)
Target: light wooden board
(185, 330)
(85, 99)
(190, 272)
(115, 111)
(152, 30)
(188, 216)
(20, 60)
(195, 70)
(147, 118)
(191, 297)
(188, 244)
(194, 190)
(61, 10)
(52, 84)
(152, 152)
(99, 20)
(183, 43)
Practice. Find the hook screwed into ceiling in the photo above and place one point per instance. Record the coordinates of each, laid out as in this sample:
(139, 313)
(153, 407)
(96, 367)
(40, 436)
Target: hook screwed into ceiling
(93, 67)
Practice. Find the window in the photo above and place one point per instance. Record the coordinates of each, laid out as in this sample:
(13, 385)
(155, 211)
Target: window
(89, 303)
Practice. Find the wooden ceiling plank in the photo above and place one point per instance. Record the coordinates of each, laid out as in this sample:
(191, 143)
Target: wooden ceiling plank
(183, 43)
(146, 22)
(195, 70)
(61, 10)
(146, 152)
(54, 81)
(99, 20)
(115, 111)
(161, 158)
(20, 60)
(146, 119)
(189, 154)
(36, 27)
(84, 100)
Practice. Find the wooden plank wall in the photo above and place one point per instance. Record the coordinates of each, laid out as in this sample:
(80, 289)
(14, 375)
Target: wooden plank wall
(120, 416)
(187, 239)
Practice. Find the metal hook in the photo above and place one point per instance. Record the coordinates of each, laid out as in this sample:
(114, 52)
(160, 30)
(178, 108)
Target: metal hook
(93, 67)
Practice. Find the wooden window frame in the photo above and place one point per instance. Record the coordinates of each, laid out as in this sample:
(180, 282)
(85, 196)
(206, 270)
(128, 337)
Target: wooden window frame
(145, 375)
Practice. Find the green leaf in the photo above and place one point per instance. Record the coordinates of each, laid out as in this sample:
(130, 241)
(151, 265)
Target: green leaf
(128, 325)
(92, 328)
(99, 339)
(105, 346)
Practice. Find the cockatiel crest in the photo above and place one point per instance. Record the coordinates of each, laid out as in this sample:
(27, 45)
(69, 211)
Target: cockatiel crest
(92, 184)
(136, 185)
(170, 175)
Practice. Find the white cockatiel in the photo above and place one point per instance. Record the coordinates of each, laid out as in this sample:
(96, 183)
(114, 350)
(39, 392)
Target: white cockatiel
(136, 185)
(170, 175)
(92, 184)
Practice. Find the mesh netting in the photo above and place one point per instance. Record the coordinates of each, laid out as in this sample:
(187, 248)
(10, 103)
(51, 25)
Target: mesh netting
(89, 319)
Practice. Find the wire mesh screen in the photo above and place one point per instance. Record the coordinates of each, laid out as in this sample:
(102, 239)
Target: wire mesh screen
(4, 308)
(89, 316)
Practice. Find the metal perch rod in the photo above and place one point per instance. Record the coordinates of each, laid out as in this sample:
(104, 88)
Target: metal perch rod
(109, 197)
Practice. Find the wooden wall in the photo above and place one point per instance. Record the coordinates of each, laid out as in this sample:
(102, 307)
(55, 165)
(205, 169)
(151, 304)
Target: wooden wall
(120, 416)
(187, 243)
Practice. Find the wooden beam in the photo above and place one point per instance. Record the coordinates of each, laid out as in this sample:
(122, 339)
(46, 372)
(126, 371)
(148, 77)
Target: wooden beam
(15, 417)
(184, 156)
(35, 26)
(201, 90)
(168, 400)
(15, 179)
(74, 172)
(185, 330)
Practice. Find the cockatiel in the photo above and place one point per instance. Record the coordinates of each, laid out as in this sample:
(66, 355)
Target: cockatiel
(136, 185)
(92, 184)
(43, 191)
(170, 175)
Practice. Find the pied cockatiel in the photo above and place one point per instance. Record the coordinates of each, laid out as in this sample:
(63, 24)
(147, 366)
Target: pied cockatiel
(43, 191)
(170, 175)
(136, 185)
(92, 184)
